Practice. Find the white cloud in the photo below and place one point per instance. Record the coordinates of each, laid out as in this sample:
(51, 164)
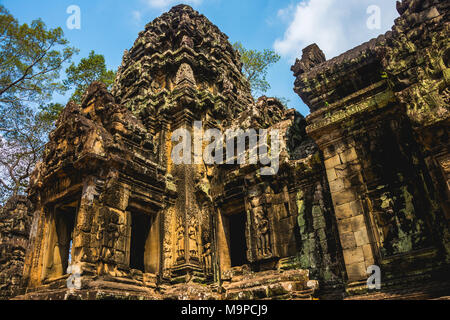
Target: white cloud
(286, 13)
(137, 16)
(335, 25)
(164, 4)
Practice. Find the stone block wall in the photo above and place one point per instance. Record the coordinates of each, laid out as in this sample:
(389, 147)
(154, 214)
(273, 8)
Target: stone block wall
(363, 180)
(15, 224)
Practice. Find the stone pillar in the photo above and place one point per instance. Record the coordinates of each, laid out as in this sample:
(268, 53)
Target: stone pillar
(85, 247)
(113, 233)
(188, 252)
(346, 184)
(223, 250)
(164, 142)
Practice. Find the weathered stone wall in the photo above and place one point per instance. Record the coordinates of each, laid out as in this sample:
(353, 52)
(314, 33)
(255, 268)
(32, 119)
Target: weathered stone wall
(386, 173)
(363, 180)
(15, 223)
(292, 221)
(81, 178)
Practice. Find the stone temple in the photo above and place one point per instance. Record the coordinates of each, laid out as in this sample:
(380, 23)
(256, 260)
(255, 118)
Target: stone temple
(363, 180)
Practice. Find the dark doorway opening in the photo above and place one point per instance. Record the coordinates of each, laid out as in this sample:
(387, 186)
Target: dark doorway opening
(65, 225)
(140, 228)
(238, 243)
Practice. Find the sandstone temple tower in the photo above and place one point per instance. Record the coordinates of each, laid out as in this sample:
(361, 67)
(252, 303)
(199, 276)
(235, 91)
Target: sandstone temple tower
(362, 181)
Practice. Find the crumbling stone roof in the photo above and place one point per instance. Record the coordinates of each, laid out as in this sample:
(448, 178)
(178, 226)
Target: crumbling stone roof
(351, 56)
(320, 82)
(150, 74)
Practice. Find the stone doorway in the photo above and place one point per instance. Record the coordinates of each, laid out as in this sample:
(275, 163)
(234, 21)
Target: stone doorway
(60, 239)
(238, 242)
(232, 237)
(144, 242)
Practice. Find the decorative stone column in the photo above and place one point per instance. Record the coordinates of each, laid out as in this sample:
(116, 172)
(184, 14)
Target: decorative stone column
(346, 185)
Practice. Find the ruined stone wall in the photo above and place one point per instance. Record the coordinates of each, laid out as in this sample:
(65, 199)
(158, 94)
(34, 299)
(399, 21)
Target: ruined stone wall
(291, 217)
(362, 180)
(15, 223)
(81, 178)
(385, 143)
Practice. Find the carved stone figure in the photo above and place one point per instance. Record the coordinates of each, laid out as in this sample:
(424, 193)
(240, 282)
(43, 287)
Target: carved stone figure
(180, 239)
(387, 216)
(193, 243)
(301, 210)
(207, 257)
(318, 196)
(262, 231)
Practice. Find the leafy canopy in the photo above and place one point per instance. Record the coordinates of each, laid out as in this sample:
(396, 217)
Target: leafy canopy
(30, 61)
(21, 146)
(88, 70)
(50, 112)
(256, 65)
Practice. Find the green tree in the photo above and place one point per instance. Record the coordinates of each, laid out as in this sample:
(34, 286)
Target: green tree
(284, 101)
(21, 146)
(256, 65)
(88, 70)
(30, 61)
(49, 113)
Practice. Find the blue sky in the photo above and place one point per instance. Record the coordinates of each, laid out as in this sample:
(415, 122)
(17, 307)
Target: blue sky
(287, 26)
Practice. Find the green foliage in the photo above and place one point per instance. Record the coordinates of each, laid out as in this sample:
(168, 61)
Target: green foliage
(21, 144)
(49, 113)
(90, 69)
(30, 61)
(256, 65)
(284, 101)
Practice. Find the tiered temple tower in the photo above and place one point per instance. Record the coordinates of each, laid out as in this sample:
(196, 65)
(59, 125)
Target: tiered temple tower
(362, 181)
